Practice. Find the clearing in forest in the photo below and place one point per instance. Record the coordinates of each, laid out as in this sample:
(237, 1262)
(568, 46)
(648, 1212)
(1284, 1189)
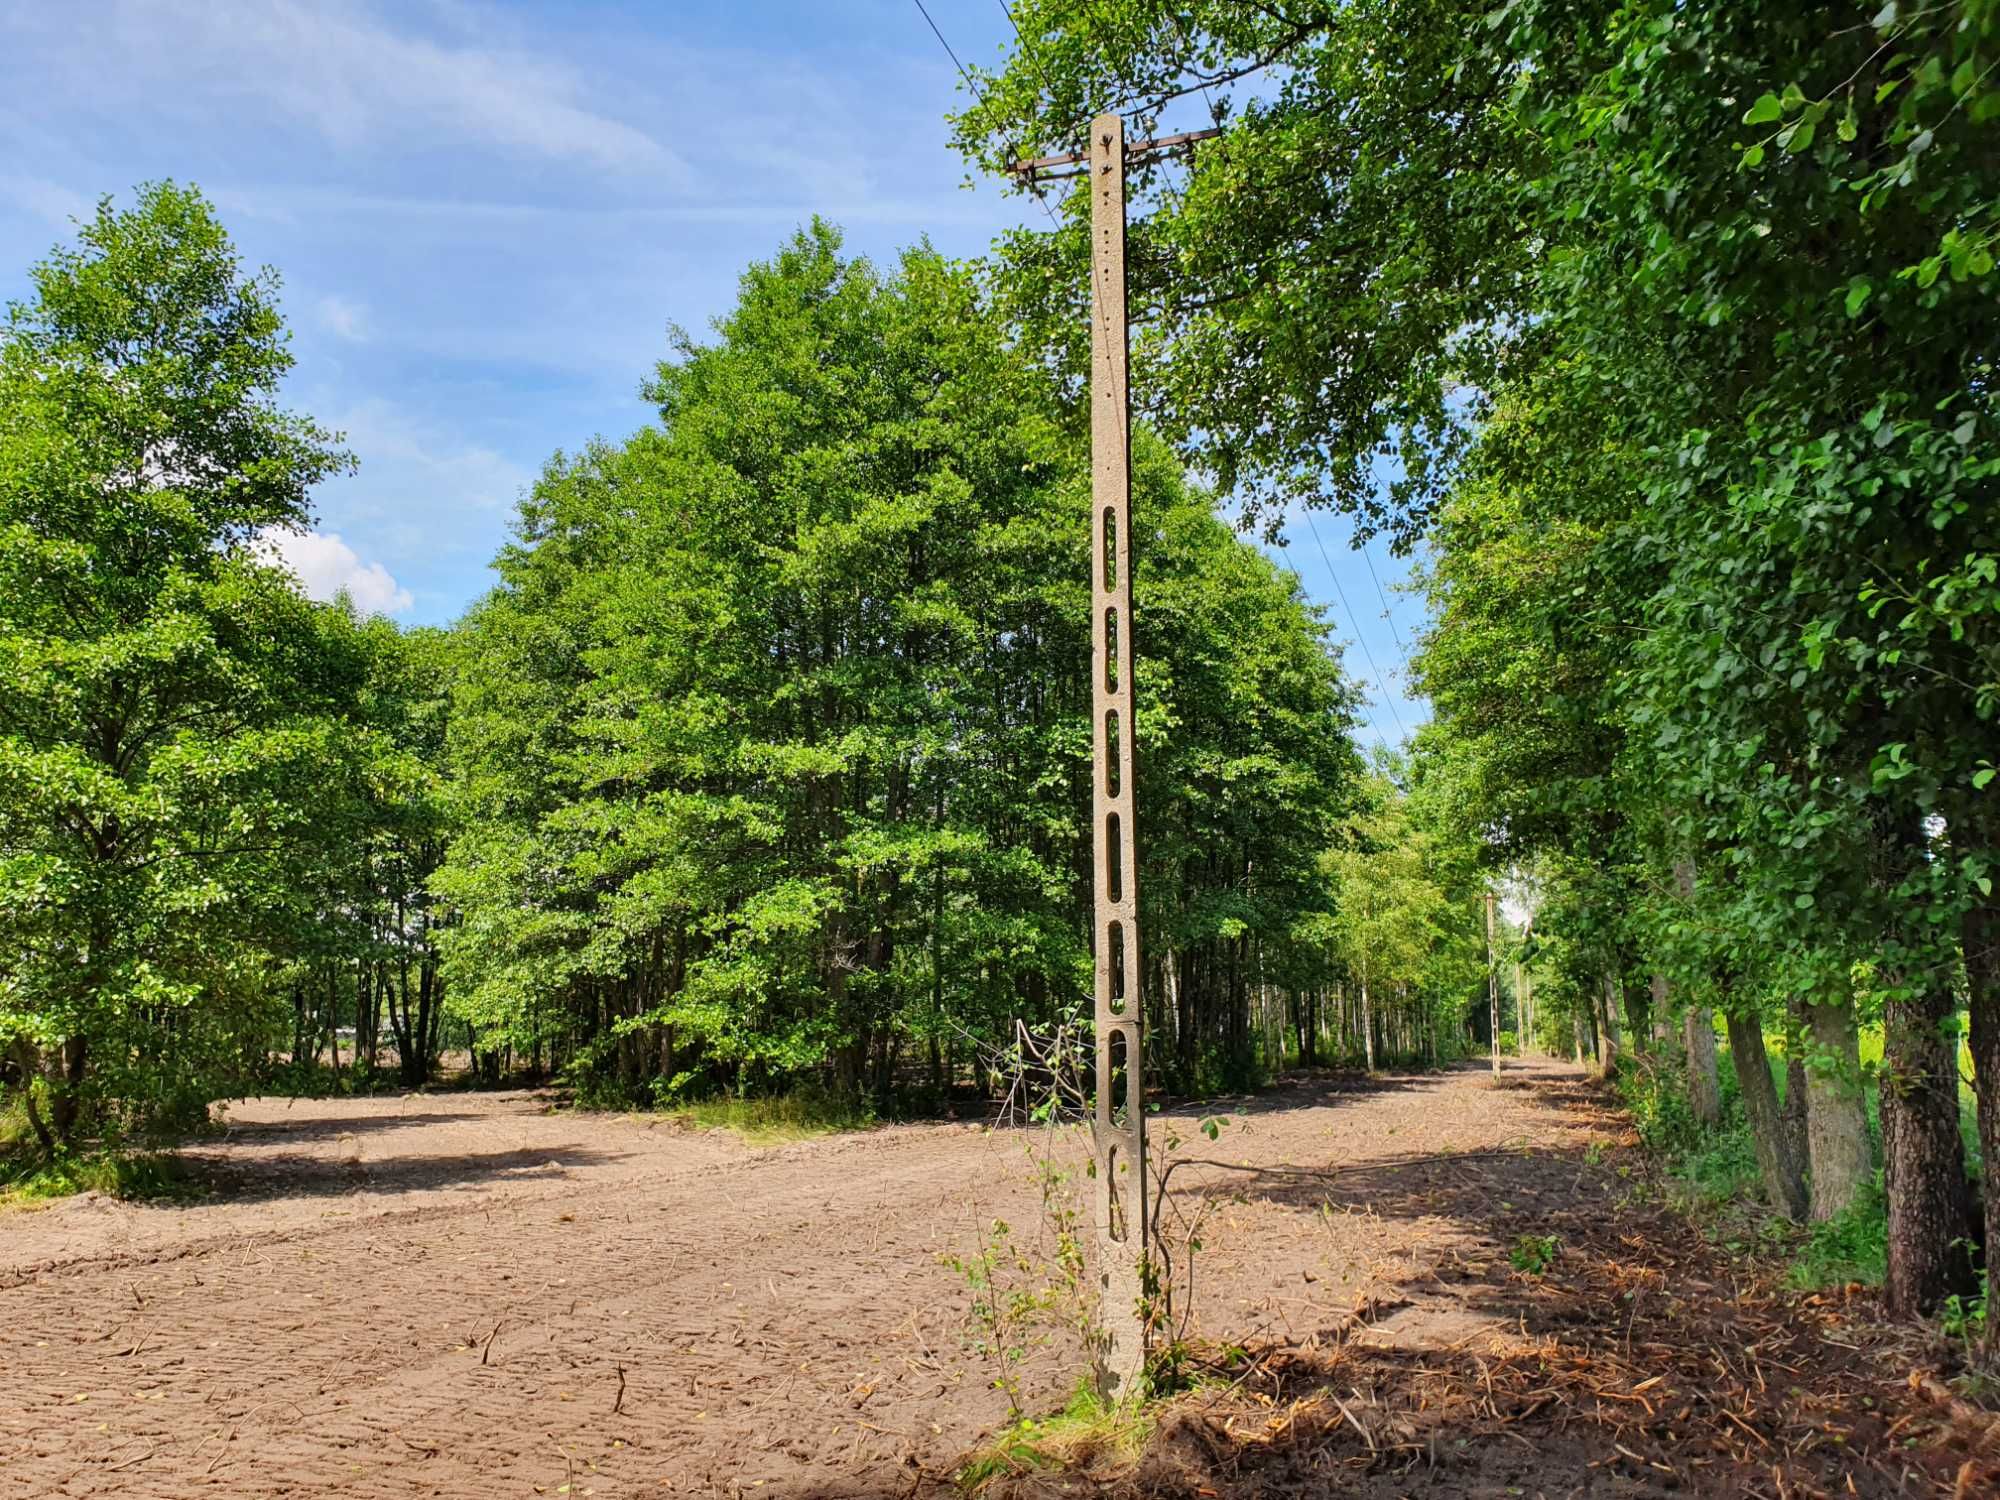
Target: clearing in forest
(472, 1295)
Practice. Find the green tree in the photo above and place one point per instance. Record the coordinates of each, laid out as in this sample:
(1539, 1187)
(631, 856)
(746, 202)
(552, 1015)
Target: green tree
(773, 741)
(1754, 244)
(168, 702)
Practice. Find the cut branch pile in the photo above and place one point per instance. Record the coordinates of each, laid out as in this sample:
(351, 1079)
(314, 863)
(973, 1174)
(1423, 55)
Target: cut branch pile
(1645, 1362)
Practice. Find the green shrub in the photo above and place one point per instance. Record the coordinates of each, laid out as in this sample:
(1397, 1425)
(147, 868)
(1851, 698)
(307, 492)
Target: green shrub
(1853, 1245)
(1533, 1254)
(1657, 1101)
(1721, 1166)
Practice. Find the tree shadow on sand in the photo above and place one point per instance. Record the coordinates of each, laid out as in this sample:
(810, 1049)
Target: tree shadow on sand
(287, 1175)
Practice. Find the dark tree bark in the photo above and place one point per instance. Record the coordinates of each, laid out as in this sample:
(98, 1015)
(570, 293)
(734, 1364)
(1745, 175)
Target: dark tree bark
(1982, 970)
(1923, 1155)
(30, 1063)
(1781, 1167)
(66, 1101)
(1930, 1202)
(1704, 1086)
(1793, 1114)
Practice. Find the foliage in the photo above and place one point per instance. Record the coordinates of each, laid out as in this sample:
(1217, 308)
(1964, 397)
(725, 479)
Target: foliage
(777, 1118)
(772, 743)
(1657, 1102)
(1025, 1288)
(134, 1176)
(1674, 325)
(171, 740)
(1085, 1431)
(1964, 1317)
(1534, 1254)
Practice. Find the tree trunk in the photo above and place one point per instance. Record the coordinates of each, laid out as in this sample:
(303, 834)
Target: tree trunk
(1523, 1016)
(66, 1098)
(1836, 1121)
(1367, 1019)
(1607, 1027)
(1923, 1155)
(1639, 1017)
(1982, 971)
(1704, 1084)
(29, 1058)
(1792, 1114)
(1492, 991)
(1784, 1182)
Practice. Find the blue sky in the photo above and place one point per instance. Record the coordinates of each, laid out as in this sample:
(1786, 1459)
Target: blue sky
(487, 216)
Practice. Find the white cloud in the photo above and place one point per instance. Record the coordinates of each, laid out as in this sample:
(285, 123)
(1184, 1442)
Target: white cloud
(354, 76)
(325, 565)
(413, 466)
(344, 319)
(48, 201)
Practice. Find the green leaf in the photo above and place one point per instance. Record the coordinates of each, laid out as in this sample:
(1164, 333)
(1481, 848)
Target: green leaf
(1764, 111)
(1858, 292)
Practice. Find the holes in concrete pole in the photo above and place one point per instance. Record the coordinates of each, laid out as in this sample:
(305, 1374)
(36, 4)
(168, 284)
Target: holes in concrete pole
(1115, 957)
(1111, 650)
(1114, 858)
(1116, 1227)
(1110, 548)
(1116, 1082)
(1111, 759)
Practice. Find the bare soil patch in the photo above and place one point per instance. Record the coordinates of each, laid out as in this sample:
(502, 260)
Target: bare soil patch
(472, 1295)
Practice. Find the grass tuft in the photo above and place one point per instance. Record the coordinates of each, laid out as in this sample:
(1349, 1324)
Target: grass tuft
(778, 1119)
(1086, 1434)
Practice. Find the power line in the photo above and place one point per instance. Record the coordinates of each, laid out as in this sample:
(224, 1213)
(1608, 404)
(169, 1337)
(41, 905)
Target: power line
(950, 54)
(1388, 613)
(1027, 51)
(1300, 579)
(977, 95)
(1368, 656)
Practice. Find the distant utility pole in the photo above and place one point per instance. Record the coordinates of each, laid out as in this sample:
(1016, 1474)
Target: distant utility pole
(1524, 991)
(1492, 988)
(1119, 1127)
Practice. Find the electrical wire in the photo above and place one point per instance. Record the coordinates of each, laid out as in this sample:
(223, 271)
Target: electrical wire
(980, 97)
(1381, 682)
(1284, 556)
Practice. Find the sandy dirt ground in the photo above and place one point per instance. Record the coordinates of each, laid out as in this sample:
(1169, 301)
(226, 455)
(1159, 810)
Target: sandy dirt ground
(473, 1294)
(480, 1295)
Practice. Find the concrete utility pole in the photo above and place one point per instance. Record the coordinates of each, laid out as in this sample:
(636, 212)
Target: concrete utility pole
(1492, 988)
(1119, 1126)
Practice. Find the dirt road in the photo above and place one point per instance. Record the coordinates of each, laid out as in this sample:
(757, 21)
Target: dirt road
(472, 1294)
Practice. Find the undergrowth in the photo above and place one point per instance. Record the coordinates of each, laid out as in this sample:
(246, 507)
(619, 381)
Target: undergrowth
(1853, 1245)
(775, 1119)
(27, 1179)
(1711, 1174)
